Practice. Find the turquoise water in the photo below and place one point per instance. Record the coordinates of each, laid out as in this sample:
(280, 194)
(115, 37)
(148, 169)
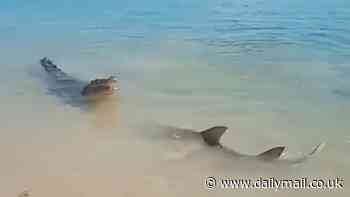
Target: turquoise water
(235, 31)
(275, 72)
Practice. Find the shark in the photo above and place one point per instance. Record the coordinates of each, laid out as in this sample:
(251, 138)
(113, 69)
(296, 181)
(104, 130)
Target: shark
(74, 91)
(210, 138)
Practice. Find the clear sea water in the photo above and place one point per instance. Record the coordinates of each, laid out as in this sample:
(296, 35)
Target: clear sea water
(274, 72)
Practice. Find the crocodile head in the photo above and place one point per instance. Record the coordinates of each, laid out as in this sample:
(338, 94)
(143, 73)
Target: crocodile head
(100, 87)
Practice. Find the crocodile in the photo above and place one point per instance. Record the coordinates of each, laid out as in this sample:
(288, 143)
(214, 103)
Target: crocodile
(73, 90)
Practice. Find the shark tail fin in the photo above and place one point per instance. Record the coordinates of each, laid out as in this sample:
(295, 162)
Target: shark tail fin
(305, 157)
(318, 148)
(271, 154)
(212, 136)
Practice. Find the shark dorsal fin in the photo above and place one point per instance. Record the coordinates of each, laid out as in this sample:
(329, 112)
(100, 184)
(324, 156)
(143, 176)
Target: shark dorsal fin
(273, 153)
(212, 136)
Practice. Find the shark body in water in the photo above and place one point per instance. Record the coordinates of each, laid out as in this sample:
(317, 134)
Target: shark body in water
(210, 138)
(74, 91)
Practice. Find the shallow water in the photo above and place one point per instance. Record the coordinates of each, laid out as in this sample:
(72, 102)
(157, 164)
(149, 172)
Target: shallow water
(274, 72)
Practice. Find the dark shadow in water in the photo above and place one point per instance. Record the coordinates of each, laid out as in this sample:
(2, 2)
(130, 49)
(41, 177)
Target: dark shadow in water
(68, 92)
(342, 93)
(63, 86)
